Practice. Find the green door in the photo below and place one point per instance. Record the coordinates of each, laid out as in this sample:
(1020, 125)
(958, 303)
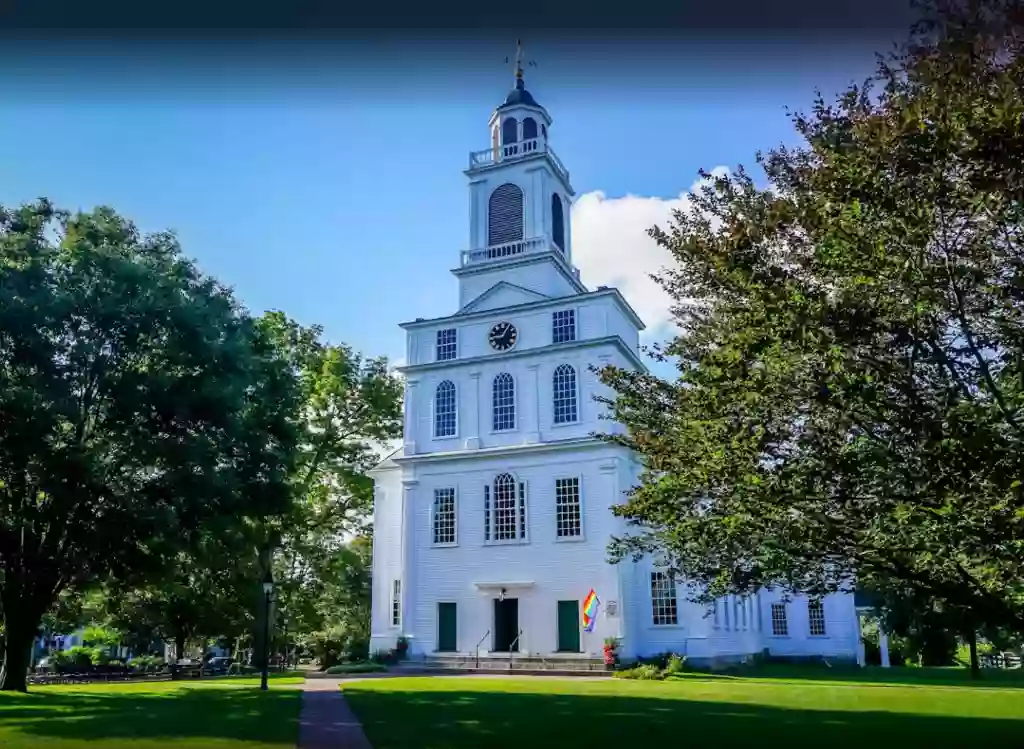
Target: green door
(568, 626)
(446, 640)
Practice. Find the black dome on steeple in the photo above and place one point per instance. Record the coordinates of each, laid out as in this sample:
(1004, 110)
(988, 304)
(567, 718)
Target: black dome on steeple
(519, 95)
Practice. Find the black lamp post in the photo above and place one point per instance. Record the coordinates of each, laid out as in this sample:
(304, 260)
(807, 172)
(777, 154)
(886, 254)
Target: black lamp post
(268, 592)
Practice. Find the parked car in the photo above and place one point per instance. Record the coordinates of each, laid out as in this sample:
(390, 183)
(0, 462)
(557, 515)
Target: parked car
(219, 665)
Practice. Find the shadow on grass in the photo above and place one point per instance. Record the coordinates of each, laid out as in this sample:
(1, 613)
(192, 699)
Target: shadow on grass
(195, 713)
(456, 719)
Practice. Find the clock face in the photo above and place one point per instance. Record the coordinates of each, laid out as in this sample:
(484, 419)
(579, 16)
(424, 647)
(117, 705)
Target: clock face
(503, 336)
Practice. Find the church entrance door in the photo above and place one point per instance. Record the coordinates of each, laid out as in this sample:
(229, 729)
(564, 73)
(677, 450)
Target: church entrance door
(506, 625)
(568, 626)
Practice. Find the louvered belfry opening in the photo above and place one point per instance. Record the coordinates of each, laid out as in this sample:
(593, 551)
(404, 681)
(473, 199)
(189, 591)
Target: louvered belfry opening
(557, 222)
(505, 215)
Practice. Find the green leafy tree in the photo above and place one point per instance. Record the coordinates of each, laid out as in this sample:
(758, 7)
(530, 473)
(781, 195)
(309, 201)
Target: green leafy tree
(351, 405)
(850, 398)
(138, 402)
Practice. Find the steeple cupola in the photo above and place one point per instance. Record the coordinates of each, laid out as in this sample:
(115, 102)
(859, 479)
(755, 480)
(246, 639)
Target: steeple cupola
(519, 189)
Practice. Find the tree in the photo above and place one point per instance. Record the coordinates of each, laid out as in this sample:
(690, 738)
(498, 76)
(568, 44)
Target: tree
(850, 399)
(138, 402)
(350, 406)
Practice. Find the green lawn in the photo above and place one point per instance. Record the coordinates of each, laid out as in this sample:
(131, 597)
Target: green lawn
(230, 713)
(867, 712)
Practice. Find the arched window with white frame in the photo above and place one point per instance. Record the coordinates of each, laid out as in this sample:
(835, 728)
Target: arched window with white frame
(505, 509)
(445, 410)
(504, 402)
(563, 384)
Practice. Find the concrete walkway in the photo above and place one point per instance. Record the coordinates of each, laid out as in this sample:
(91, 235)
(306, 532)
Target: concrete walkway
(326, 722)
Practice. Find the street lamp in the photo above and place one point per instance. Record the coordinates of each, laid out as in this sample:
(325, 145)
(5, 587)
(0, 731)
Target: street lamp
(268, 592)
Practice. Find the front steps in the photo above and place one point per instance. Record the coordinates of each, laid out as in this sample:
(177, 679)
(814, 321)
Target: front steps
(520, 665)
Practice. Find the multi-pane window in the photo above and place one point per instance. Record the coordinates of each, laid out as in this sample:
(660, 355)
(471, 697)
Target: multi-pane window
(445, 410)
(446, 344)
(816, 617)
(563, 326)
(396, 604)
(564, 389)
(504, 397)
(505, 509)
(780, 627)
(567, 508)
(663, 599)
(444, 516)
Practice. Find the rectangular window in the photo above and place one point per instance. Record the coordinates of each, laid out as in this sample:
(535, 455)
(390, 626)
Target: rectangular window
(567, 508)
(563, 326)
(396, 604)
(446, 346)
(816, 617)
(780, 627)
(444, 516)
(663, 599)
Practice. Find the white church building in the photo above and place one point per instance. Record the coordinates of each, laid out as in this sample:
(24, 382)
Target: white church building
(491, 523)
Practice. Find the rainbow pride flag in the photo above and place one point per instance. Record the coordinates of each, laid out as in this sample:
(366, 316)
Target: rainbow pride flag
(590, 606)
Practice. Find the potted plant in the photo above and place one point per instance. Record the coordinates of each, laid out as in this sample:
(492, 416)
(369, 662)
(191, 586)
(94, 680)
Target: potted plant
(401, 647)
(611, 652)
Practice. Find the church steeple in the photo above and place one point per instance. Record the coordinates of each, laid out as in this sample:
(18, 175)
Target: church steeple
(520, 193)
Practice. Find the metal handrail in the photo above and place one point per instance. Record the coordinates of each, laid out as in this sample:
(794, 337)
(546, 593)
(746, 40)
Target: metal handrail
(512, 649)
(478, 647)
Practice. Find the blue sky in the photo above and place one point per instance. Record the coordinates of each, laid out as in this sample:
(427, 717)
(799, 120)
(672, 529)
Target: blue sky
(331, 185)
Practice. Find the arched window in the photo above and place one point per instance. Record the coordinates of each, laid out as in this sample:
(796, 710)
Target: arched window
(505, 215)
(445, 411)
(529, 128)
(504, 402)
(557, 222)
(564, 391)
(505, 516)
(509, 131)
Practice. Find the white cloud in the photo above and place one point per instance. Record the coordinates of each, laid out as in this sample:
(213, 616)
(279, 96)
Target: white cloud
(611, 247)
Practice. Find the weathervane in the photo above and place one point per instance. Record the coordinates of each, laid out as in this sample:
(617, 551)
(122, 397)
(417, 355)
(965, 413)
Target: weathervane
(519, 62)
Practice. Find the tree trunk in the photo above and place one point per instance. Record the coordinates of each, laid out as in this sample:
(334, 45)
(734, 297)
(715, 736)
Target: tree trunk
(972, 639)
(179, 645)
(20, 628)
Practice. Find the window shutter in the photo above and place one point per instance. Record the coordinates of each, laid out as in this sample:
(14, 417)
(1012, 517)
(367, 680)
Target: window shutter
(487, 512)
(522, 509)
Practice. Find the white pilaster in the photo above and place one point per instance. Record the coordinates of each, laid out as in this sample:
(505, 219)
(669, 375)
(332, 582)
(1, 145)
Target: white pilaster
(412, 417)
(472, 422)
(533, 426)
(883, 646)
(408, 568)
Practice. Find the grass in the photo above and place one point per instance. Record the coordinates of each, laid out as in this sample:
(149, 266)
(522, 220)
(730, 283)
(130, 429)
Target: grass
(693, 710)
(226, 713)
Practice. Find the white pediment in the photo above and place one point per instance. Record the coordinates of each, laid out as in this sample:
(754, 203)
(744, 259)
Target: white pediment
(502, 294)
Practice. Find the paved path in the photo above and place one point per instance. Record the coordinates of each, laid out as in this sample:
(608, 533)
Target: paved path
(326, 722)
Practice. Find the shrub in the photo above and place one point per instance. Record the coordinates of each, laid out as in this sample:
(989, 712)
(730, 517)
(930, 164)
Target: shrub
(146, 662)
(79, 656)
(645, 672)
(356, 668)
(676, 664)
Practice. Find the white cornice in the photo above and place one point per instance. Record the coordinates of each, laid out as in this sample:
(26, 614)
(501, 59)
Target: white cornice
(529, 306)
(413, 369)
(517, 261)
(505, 450)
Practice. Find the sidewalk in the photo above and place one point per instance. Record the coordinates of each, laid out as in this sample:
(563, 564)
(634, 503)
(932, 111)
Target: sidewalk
(326, 722)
